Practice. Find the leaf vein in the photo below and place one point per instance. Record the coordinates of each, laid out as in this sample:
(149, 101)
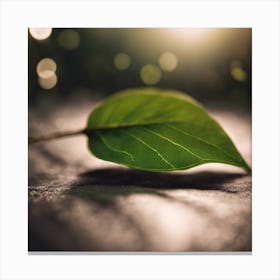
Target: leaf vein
(185, 133)
(153, 149)
(174, 143)
(113, 148)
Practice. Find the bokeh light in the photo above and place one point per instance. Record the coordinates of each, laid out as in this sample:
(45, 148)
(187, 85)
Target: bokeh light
(237, 72)
(48, 82)
(69, 39)
(122, 61)
(206, 62)
(150, 74)
(46, 69)
(168, 61)
(40, 33)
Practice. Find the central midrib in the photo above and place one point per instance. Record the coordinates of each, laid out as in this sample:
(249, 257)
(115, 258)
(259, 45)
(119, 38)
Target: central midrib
(116, 126)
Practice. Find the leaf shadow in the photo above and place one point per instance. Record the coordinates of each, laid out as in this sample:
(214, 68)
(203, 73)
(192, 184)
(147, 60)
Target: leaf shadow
(203, 180)
(104, 185)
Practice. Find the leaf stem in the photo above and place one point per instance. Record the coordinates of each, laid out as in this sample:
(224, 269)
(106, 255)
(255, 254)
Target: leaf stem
(55, 135)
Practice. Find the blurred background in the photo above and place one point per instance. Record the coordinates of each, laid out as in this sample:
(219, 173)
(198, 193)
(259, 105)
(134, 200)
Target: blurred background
(211, 64)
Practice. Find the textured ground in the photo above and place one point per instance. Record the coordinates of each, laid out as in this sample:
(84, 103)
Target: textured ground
(80, 203)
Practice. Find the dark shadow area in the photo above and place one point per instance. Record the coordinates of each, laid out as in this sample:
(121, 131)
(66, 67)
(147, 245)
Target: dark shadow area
(128, 177)
(102, 186)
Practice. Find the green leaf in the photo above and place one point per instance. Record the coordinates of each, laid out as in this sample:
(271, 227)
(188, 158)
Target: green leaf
(158, 130)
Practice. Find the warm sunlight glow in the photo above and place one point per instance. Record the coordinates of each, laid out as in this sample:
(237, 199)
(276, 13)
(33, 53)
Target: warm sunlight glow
(122, 61)
(191, 35)
(150, 74)
(69, 39)
(40, 33)
(168, 61)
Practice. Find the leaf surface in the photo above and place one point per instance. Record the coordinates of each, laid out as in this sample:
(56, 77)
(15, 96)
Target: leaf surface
(158, 130)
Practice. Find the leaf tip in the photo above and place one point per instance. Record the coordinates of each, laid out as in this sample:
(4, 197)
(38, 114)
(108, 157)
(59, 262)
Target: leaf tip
(247, 168)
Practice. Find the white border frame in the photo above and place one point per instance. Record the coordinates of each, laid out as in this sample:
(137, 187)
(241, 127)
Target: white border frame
(262, 16)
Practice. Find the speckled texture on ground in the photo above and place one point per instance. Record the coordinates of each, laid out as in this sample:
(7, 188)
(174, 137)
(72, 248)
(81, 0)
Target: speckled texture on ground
(80, 203)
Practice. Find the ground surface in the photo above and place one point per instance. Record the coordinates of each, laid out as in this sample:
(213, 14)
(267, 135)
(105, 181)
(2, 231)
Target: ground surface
(80, 203)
